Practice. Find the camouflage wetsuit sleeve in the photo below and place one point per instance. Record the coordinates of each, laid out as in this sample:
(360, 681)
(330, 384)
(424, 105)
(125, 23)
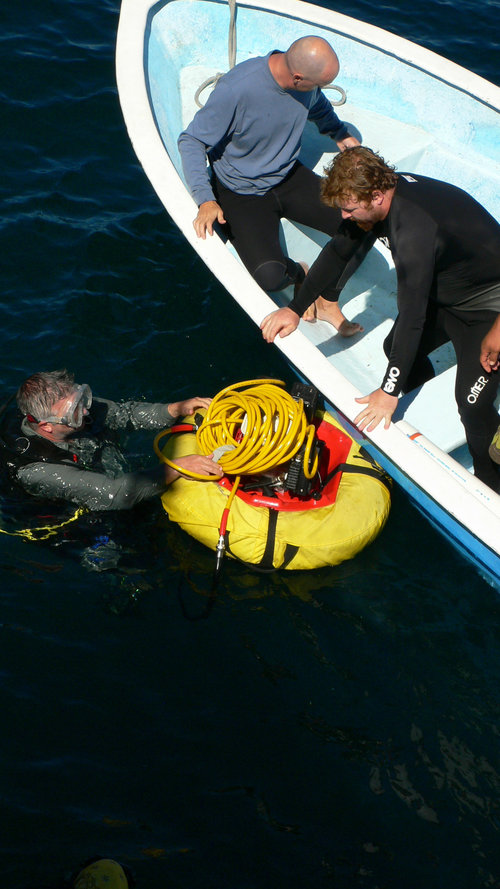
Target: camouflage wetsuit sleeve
(132, 414)
(94, 490)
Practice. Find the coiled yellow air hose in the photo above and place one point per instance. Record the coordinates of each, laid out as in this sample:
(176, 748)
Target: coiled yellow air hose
(261, 425)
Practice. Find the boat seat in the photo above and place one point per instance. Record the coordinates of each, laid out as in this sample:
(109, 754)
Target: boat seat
(389, 137)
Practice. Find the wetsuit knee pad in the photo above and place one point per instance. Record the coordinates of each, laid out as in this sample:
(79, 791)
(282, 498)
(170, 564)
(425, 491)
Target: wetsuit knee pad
(272, 275)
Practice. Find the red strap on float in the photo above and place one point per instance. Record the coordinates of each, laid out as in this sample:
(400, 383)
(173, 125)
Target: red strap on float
(183, 427)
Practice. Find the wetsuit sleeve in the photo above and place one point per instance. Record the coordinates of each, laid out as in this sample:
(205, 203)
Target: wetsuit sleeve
(322, 114)
(93, 490)
(413, 240)
(131, 415)
(209, 127)
(328, 268)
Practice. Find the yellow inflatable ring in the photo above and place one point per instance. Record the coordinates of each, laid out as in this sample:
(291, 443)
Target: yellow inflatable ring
(270, 532)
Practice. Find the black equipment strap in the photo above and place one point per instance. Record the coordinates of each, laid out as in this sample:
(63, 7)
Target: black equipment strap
(265, 566)
(372, 471)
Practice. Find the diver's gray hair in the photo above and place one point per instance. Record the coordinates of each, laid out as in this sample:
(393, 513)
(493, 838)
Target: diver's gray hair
(40, 391)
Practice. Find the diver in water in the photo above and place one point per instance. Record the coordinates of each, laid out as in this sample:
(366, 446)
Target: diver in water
(64, 447)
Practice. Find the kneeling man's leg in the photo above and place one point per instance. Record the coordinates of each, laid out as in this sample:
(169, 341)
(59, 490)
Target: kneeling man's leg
(254, 229)
(475, 392)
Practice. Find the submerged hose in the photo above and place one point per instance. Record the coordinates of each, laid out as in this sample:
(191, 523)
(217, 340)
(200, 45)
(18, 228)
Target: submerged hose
(42, 532)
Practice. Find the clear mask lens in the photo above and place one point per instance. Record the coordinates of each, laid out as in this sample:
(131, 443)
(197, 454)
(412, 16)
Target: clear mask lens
(77, 403)
(74, 408)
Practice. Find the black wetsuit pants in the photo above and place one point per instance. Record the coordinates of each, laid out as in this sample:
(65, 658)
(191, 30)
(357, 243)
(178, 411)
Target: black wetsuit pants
(475, 390)
(253, 225)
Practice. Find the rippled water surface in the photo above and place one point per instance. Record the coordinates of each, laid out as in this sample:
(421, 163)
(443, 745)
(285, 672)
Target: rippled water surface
(336, 728)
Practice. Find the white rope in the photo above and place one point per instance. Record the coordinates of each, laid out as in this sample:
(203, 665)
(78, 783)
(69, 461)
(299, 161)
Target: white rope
(343, 96)
(212, 81)
(231, 54)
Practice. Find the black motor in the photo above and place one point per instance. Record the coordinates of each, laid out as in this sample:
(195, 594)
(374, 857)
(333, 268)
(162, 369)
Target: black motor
(296, 481)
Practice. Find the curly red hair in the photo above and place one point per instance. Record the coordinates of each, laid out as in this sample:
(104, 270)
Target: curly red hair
(356, 173)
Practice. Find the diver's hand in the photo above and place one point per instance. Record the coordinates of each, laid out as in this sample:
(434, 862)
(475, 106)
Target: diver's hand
(283, 322)
(196, 463)
(187, 407)
(208, 213)
(380, 406)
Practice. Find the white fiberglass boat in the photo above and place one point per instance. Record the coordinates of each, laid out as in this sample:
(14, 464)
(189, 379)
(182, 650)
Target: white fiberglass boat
(423, 114)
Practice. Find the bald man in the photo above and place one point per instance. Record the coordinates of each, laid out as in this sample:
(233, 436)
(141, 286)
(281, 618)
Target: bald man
(251, 129)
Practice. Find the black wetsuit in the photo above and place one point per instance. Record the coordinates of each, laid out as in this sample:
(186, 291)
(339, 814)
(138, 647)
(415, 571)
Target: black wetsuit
(446, 250)
(254, 227)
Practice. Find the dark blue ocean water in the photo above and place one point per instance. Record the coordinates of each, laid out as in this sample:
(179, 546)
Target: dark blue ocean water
(337, 728)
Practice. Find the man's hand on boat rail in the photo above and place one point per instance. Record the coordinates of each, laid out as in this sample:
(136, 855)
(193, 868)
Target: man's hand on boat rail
(208, 213)
(380, 406)
(283, 322)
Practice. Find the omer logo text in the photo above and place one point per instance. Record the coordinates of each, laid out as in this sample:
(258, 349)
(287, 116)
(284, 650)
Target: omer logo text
(476, 389)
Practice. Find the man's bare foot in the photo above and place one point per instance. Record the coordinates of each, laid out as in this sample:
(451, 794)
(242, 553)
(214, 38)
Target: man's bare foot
(331, 312)
(310, 313)
(349, 328)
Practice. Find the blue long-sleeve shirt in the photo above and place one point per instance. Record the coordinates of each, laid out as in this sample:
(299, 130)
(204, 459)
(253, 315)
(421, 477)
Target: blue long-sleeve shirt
(251, 128)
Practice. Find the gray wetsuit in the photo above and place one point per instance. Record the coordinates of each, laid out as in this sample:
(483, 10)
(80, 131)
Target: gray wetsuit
(91, 471)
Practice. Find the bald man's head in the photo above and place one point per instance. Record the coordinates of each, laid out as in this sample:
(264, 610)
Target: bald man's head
(313, 60)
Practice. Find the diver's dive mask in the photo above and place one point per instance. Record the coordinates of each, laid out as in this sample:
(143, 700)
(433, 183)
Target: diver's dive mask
(73, 408)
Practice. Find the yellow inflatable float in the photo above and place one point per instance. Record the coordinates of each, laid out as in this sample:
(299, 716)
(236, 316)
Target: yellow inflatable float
(298, 492)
